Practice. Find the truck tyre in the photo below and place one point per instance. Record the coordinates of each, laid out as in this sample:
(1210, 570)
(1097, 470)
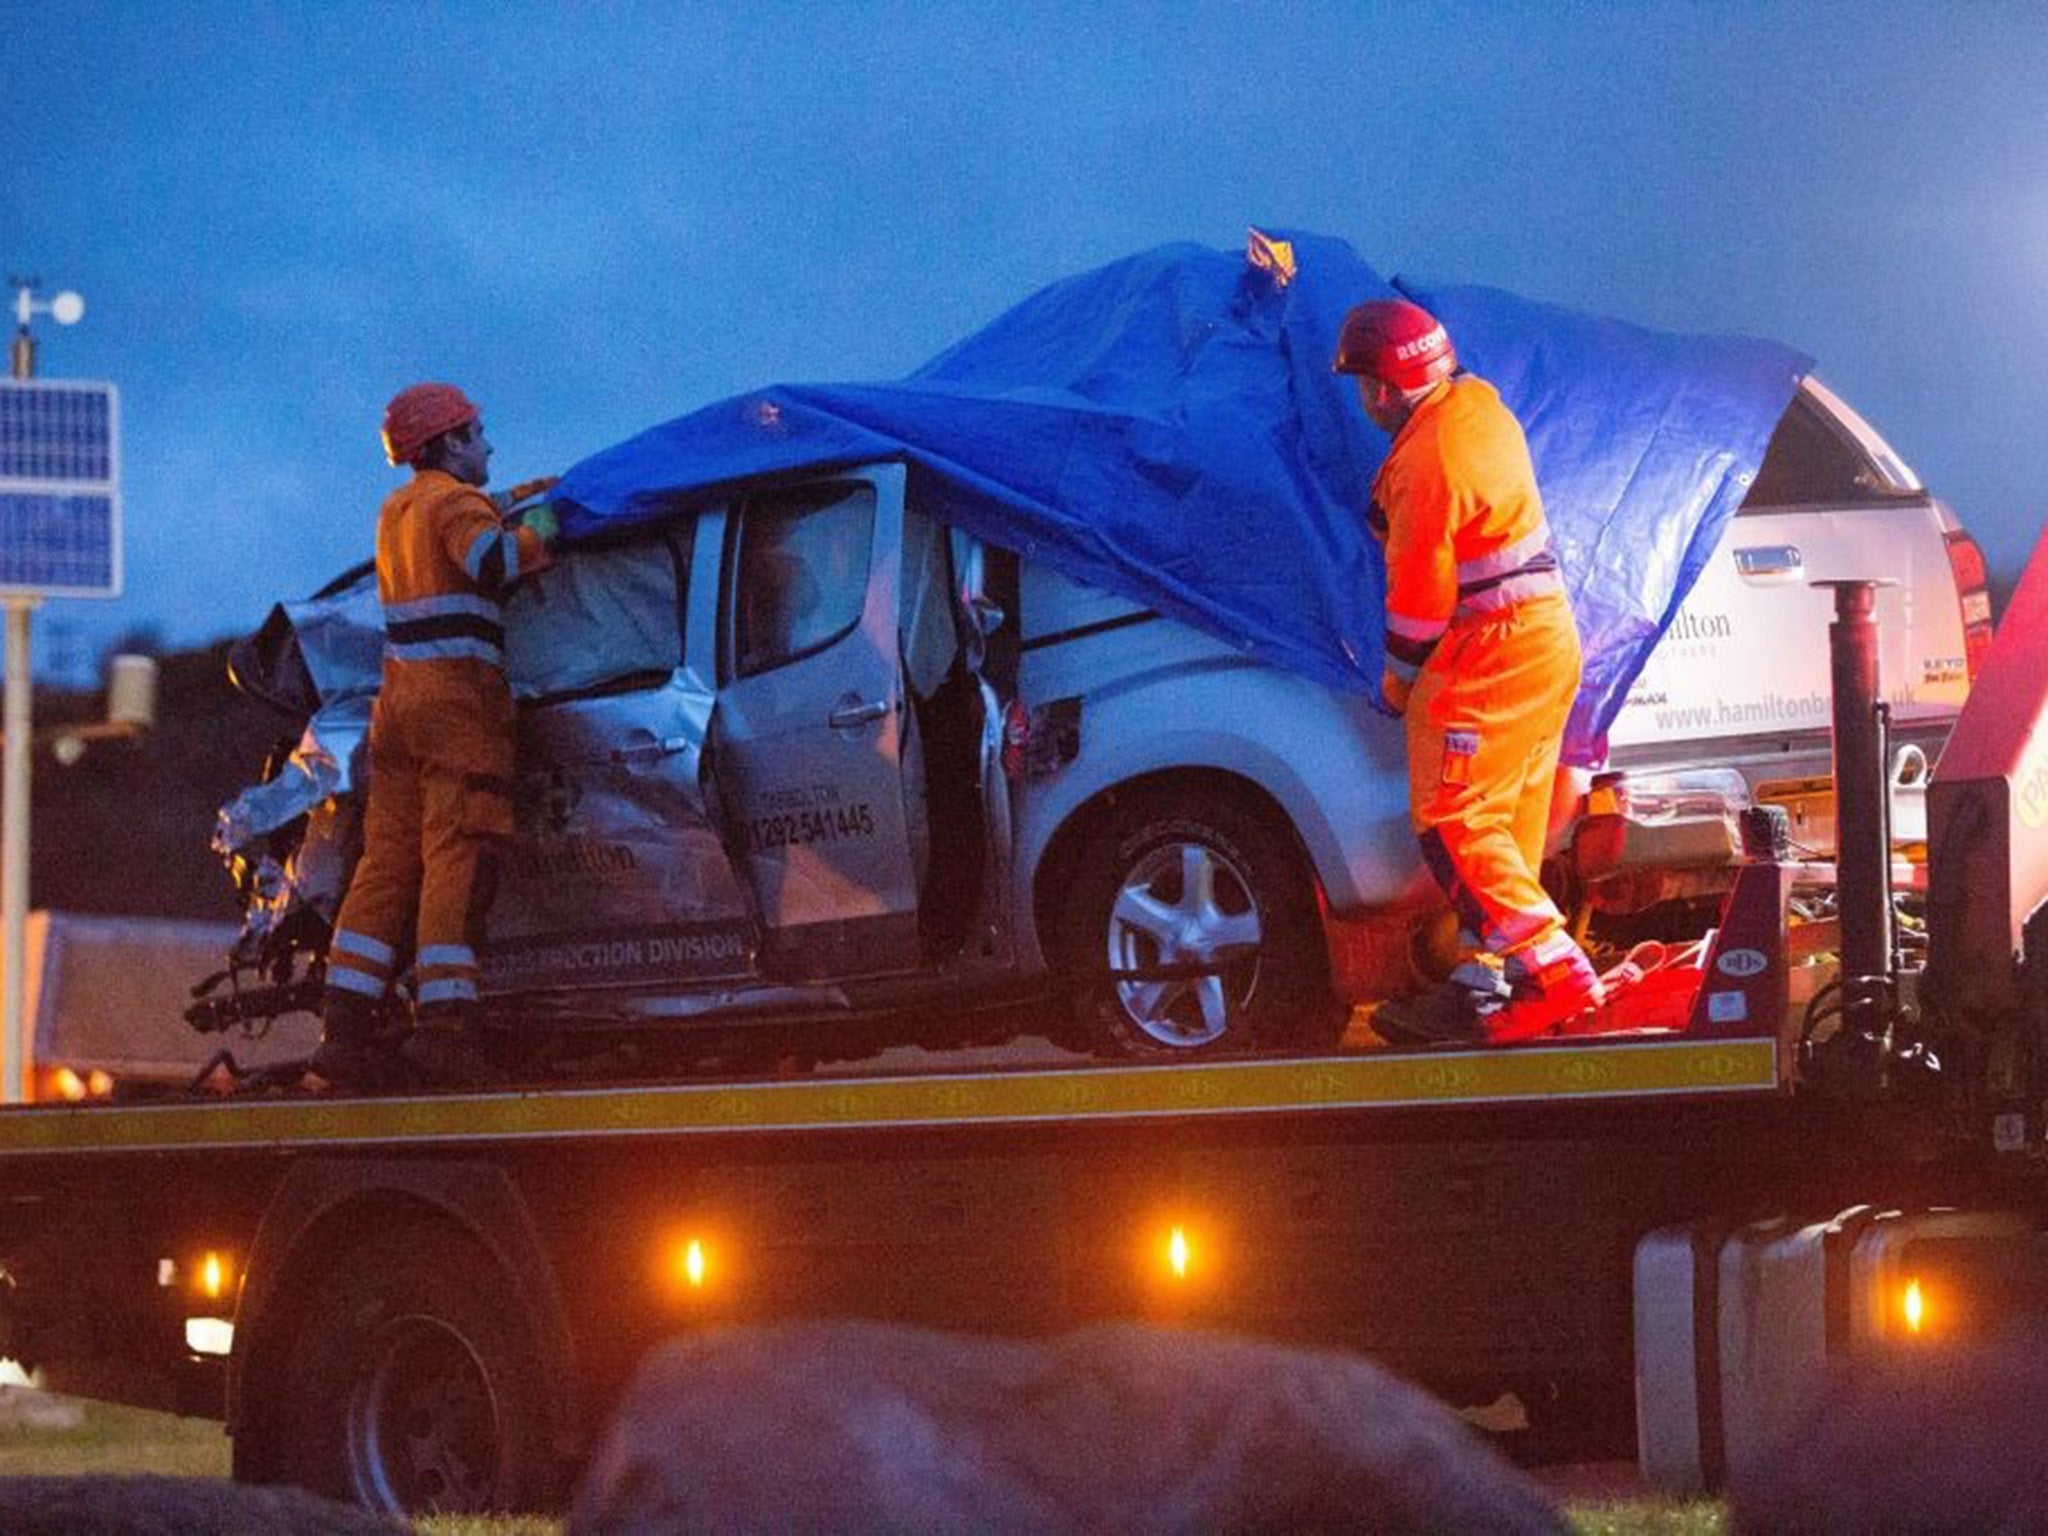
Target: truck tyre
(414, 1388)
(1197, 879)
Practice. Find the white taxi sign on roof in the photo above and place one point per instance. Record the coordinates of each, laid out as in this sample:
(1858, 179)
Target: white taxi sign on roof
(60, 488)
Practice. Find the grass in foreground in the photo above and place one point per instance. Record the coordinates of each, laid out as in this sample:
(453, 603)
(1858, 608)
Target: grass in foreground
(62, 1438)
(1649, 1517)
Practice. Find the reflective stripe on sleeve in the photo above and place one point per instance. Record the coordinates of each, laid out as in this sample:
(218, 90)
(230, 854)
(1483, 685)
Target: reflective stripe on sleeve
(1405, 627)
(1409, 642)
(492, 559)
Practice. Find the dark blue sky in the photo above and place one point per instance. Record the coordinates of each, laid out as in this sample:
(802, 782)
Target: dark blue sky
(599, 217)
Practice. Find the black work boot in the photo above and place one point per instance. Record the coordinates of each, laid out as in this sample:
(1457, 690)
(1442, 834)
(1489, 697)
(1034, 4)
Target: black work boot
(1459, 1011)
(355, 1051)
(448, 1049)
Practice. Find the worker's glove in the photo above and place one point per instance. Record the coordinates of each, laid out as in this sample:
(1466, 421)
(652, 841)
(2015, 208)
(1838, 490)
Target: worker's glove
(541, 519)
(1392, 698)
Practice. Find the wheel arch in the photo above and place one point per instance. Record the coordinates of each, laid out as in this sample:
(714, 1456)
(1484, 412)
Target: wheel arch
(324, 1212)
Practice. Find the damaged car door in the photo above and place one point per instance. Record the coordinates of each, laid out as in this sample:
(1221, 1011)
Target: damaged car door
(809, 750)
(617, 875)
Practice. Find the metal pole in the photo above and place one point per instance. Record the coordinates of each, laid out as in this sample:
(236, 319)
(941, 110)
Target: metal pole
(1863, 856)
(15, 760)
(21, 350)
(14, 851)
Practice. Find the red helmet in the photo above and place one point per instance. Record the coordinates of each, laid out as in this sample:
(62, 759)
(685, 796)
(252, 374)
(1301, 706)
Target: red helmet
(420, 413)
(1398, 342)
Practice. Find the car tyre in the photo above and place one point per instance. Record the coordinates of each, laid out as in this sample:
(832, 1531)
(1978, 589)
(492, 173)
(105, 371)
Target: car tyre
(415, 1389)
(1197, 880)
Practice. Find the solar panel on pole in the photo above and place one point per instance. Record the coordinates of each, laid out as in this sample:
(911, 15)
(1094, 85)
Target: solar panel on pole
(60, 488)
(60, 536)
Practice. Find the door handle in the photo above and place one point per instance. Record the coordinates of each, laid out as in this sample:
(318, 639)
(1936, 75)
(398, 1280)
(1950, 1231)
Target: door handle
(857, 714)
(664, 746)
(1767, 562)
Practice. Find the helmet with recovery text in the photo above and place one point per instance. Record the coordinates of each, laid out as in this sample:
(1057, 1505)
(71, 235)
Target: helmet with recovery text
(1401, 343)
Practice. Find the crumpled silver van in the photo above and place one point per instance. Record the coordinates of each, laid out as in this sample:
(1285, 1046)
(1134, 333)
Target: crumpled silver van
(807, 765)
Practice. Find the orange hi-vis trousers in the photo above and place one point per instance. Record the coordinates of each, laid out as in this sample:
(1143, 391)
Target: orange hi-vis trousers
(1485, 721)
(440, 807)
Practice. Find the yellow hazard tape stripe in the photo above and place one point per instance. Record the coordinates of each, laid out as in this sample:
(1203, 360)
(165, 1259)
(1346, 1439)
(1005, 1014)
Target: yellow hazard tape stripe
(1348, 1082)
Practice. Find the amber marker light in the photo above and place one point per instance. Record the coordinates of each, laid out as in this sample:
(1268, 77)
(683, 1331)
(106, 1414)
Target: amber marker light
(68, 1085)
(1183, 1261)
(686, 1265)
(1913, 1307)
(214, 1276)
(1178, 1253)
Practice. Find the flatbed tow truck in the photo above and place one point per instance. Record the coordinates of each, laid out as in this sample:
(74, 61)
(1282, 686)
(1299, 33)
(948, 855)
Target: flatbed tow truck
(428, 1302)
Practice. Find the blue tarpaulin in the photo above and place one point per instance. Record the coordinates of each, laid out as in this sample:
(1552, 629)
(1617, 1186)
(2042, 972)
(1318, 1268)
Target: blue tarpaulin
(1168, 427)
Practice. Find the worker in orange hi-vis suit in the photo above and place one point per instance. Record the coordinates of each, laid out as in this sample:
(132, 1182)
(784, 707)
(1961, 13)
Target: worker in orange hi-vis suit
(1482, 661)
(440, 751)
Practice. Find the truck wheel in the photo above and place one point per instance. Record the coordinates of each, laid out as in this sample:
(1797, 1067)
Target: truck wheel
(1198, 879)
(414, 1390)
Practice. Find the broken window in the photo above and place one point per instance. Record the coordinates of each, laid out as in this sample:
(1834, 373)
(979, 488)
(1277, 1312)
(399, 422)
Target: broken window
(601, 617)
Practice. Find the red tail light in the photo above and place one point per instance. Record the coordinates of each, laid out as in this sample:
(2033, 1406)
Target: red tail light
(1966, 563)
(1016, 741)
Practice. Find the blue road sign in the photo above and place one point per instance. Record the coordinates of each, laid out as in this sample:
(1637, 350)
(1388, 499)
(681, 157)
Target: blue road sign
(60, 488)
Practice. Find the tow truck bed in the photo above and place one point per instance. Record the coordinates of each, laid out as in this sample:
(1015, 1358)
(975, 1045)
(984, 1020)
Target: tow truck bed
(1379, 1080)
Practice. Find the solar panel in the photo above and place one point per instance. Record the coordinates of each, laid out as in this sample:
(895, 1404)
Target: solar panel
(57, 432)
(56, 542)
(60, 498)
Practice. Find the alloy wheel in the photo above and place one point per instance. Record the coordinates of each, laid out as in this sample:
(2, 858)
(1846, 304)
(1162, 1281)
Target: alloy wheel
(1184, 904)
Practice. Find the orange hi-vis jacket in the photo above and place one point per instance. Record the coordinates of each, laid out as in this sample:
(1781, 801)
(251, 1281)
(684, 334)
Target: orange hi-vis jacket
(444, 557)
(1483, 658)
(1457, 504)
(440, 744)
